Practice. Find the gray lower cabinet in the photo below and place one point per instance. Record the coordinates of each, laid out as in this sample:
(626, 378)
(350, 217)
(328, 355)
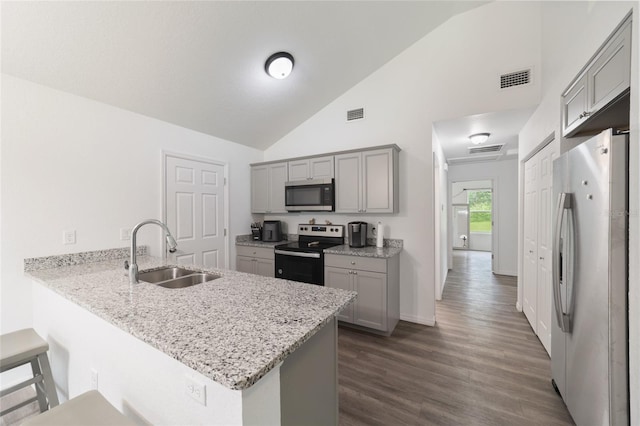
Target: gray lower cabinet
(255, 260)
(376, 280)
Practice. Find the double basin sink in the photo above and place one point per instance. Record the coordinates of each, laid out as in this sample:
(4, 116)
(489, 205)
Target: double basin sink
(175, 277)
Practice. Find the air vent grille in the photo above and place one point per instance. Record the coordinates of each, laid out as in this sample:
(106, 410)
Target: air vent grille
(355, 114)
(485, 149)
(517, 78)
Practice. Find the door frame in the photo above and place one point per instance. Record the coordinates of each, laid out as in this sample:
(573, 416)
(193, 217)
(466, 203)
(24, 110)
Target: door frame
(495, 246)
(225, 165)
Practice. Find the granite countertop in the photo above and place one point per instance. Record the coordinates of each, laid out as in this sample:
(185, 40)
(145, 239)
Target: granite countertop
(233, 329)
(248, 241)
(264, 244)
(367, 251)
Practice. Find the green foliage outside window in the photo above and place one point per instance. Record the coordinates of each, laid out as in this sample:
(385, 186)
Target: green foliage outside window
(480, 211)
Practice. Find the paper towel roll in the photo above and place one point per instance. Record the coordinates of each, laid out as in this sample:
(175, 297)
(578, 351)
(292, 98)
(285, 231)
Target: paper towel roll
(379, 235)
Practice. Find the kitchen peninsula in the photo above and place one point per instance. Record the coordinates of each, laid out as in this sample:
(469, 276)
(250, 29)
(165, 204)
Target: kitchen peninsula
(242, 349)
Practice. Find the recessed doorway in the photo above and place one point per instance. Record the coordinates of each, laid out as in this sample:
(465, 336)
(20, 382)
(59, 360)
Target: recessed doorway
(472, 215)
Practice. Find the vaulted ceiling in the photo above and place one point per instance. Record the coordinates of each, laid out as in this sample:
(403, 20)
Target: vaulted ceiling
(200, 65)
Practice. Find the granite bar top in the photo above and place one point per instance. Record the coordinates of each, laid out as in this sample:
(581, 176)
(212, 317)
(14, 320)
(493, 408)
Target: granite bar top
(367, 251)
(233, 330)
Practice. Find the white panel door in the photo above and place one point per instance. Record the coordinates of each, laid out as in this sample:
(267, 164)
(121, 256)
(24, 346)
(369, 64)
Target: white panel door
(195, 211)
(530, 266)
(545, 202)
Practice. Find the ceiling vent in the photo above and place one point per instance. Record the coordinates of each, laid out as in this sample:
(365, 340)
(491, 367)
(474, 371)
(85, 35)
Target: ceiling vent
(479, 158)
(485, 149)
(517, 78)
(355, 114)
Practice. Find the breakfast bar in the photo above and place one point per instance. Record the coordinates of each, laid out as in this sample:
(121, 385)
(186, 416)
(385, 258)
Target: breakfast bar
(241, 349)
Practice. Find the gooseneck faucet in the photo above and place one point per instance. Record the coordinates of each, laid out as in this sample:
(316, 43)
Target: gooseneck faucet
(133, 266)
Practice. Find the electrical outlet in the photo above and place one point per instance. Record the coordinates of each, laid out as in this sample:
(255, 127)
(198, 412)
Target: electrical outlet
(94, 378)
(69, 237)
(125, 234)
(196, 390)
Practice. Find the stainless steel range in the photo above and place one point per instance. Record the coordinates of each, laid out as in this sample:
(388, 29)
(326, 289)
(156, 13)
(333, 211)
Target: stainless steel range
(303, 260)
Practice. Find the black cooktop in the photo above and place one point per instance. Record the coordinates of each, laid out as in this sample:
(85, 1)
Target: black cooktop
(304, 246)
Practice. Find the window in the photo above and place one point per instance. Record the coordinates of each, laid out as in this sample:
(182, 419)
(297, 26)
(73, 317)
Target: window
(480, 210)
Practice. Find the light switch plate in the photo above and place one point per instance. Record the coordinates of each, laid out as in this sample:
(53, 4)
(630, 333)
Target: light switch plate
(125, 234)
(69, 236)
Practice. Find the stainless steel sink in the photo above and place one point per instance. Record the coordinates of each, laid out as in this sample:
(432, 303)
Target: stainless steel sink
(189, 280)
(163, 274)
(175, 277)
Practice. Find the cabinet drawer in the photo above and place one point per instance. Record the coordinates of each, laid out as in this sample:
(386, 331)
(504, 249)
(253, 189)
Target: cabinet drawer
(259, 252)
(356, 262)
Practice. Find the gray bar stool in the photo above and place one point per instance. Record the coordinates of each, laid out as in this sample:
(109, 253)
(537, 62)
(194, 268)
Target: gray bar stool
(26, 347)
(87, 409)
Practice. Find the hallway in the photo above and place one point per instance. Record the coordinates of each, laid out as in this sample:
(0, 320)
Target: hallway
(481, 364)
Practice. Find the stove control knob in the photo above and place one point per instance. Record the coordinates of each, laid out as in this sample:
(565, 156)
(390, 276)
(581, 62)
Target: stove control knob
(279, 271)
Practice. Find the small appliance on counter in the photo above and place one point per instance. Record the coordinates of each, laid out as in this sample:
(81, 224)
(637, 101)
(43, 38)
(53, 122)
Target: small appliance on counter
(256, 231)
(357, 234)
(271, 231)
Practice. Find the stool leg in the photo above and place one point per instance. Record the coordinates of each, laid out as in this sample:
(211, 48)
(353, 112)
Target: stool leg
(42, 398)
(49, 384)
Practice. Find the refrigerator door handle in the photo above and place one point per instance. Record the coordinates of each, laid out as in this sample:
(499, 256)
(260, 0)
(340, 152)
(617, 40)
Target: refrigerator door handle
(559, 253)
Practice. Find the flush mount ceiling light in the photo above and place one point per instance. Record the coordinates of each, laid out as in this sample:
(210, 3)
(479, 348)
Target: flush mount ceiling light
(279, 65)
(479, 138)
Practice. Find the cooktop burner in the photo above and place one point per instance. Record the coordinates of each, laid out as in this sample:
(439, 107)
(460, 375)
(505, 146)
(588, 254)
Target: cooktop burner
(307, 246)
(315, 238)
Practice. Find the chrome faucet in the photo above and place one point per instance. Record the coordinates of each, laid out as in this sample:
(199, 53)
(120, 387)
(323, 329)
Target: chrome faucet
(133, 266)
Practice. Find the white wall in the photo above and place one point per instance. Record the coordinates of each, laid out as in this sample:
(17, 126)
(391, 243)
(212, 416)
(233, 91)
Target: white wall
(441, 214)
(573, 33)
(73, 163)
(504, 177)
(435, 79)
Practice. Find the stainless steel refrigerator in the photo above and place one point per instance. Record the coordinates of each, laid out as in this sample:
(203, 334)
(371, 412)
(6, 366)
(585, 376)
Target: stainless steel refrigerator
(589, 350)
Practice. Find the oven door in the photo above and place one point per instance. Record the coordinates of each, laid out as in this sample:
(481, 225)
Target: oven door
(300, 266)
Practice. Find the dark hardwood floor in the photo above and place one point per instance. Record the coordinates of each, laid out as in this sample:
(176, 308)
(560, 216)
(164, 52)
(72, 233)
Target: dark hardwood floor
(480, 365)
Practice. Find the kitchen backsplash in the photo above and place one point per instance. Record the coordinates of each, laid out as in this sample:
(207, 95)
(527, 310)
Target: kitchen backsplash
(70, 259)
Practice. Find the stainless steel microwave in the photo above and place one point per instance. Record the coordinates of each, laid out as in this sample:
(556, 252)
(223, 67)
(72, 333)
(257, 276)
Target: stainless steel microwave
(310, 195)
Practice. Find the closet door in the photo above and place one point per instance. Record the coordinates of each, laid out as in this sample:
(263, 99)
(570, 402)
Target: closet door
(537, 256)
(530, 264)
(544, 272)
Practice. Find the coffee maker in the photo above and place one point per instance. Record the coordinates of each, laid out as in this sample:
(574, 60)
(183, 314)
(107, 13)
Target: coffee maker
(271, 231)
(357, 234)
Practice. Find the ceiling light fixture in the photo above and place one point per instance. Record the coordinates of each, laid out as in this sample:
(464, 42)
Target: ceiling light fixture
(279, 65)
(479, 138)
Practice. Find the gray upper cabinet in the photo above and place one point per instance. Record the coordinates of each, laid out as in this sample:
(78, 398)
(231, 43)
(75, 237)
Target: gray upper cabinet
(267, 188)
(574, 104)
(367, 181)
(605, 78)
(312, 168)
(348, 185)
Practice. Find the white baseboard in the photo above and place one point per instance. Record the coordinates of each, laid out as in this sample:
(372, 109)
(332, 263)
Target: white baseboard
(518, 306)
(509, 273)
(419, 320)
